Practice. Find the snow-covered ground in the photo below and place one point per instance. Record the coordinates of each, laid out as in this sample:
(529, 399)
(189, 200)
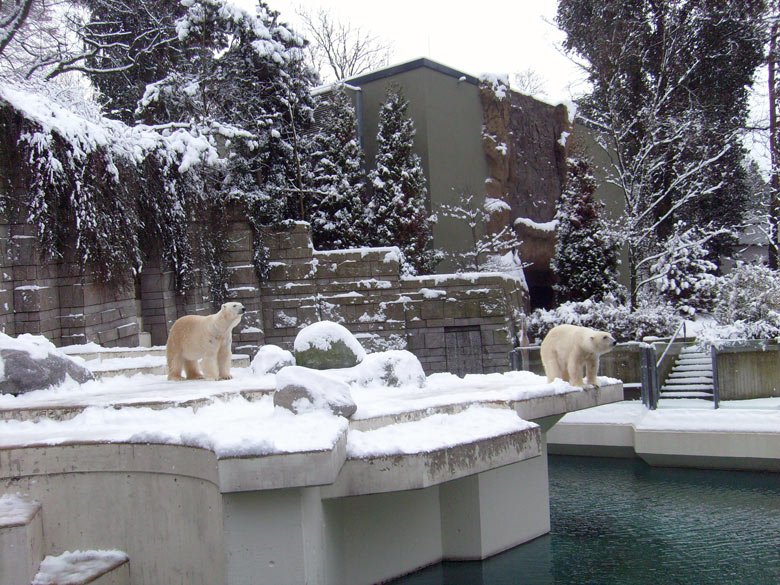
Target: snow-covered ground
(232, 426)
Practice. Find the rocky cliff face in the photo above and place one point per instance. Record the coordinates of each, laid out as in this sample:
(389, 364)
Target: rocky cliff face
(525, 143)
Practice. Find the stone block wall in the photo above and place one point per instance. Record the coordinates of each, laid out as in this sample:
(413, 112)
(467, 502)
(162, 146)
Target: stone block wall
(460, 323)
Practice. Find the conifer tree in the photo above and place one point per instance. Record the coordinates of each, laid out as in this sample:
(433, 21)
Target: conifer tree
(338, 179)
(586, 254)
(397, 209)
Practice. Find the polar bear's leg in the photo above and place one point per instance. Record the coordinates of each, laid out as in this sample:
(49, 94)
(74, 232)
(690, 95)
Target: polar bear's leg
(591, 370)
(208, 364)
(191, 370)
(574, 367)
(550, 363)
(173, 359)
(224, 357)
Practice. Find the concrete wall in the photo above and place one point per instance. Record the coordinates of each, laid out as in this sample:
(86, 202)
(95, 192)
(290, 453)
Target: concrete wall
(158, 503)
(749, 370)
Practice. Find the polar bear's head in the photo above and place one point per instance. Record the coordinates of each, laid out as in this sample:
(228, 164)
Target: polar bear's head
(602, 342)
(233, 310)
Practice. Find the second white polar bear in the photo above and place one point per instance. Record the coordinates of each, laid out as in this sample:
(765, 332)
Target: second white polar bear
(566, 349)
(206, 338)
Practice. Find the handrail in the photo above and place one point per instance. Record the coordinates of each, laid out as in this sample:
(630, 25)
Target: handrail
(671, 341)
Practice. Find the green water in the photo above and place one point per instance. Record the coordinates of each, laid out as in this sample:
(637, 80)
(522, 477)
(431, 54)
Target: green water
(622, 522)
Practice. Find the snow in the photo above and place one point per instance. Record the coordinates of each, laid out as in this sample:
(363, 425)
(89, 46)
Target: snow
(234, 427)
(432, 293)
(547, 226)
(493, 205)
(435, 432)
(16, 510)
(323, 390)
(77, 566)
(324, 334)
(498, 83)
(269, 359)
(687, 415)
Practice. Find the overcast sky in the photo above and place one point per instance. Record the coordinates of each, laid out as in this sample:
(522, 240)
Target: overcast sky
(491, 36)
(488, 36)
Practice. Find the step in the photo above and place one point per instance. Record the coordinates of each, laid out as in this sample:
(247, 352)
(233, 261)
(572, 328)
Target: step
(94, 567)
(687, 388)
(21, 539)
(694, 359)
(148, 364)
(686, 368)
(705, 395)
(113, 352)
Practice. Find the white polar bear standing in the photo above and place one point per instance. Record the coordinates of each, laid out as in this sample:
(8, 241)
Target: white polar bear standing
(567, 348)
(206, 338)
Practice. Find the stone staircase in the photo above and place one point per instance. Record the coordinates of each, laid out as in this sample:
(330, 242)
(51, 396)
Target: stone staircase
(128, 361)
(691, 376)
(22, 558)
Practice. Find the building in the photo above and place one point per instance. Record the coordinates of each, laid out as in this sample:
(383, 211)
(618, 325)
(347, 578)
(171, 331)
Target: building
(476, 136)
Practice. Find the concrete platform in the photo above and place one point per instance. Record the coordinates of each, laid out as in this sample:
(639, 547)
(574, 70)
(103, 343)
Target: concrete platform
(187, 514)
(730, 438)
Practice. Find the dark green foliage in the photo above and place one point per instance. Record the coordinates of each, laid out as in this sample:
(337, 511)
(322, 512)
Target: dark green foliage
(338, 179)
(397, 209)
(586, 252)
(670, 93)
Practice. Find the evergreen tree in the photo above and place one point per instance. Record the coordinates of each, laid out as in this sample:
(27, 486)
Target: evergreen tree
(682, 273)
(338, 179)
(586, 254)
(670, 97)
(397, 209)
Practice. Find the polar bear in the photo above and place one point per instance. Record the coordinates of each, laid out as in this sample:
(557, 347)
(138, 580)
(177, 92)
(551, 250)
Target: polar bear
(567, 348)
(205, 338)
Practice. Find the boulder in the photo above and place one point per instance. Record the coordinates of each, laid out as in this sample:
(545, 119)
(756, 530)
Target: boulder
(33, 363)
(327, 345)
(302, 390)
(396, 367)
(269, 359)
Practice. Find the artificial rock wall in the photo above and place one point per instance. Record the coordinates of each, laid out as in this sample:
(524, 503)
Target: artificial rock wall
(458, 323)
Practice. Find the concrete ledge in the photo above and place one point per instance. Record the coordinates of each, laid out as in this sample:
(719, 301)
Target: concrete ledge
(527, 409)
(534, 408)
(287, 470)
(599, 440)
(709, 450)
(420, 470)
(43, 460)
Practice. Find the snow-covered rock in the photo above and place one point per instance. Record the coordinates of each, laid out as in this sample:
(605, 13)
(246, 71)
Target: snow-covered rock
(301, 389)
(32, 362)
(269, 359)
(327, 345)
(396, 367)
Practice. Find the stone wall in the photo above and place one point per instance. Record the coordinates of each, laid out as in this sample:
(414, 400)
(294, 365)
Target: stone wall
(460, 323)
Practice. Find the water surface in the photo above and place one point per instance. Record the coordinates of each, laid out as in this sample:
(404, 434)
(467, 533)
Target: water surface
(623, 522)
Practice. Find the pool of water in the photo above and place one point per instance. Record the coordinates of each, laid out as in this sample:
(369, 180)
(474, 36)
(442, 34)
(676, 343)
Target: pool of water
(623, 522)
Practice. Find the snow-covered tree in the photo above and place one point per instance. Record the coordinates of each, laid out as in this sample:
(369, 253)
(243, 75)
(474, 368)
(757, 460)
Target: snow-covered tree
(670, 98)
(682, 273)
(586, 250)
(486, 248)
(397, 209)
(337, 213)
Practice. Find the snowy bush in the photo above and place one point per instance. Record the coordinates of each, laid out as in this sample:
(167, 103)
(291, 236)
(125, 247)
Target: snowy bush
(747, 304)
(608, 314)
